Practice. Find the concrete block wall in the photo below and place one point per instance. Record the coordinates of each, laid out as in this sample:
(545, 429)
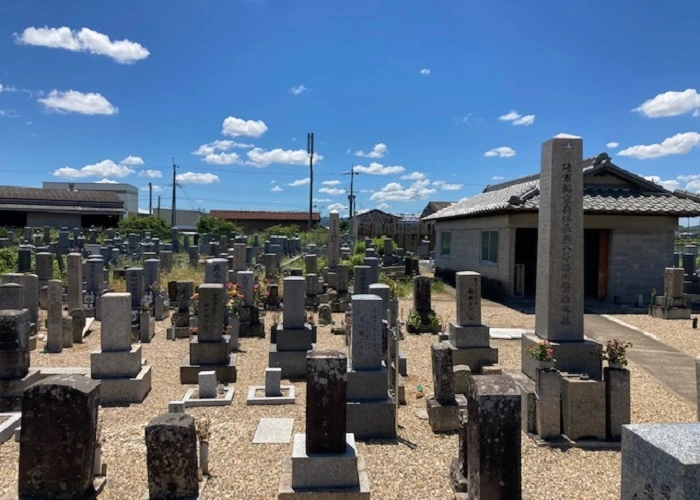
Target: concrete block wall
(636, 262)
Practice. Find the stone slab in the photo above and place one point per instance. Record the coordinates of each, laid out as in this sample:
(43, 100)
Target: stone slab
(507, 333)
(125, 391)
(274, 431)
(190, 401)
(364, 385)
(256, 396)
(669, 312)
(287, 492)
(372, 419)
(324, 470)
(293, 363)
(206, 353)
(660, 459)
(474, 357)
(115, 364)
(178, 332)
(297, 339)
(445, 418)
(574, 357)
(8, 423)
(469, 336)
(225, 373)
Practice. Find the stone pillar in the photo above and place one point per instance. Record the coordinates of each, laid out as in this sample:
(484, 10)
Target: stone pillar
(422, 294)
(210, 317)
(342, 272)
(193, 255)
(468, 286)
(239, 256)
(166, 260)
(326, 393)
(493, 437)
(617, 401)
(75, 281)
(384, 292)
(334, 239)
(311, 263)
(151, 274)
(24, 259)
(270, 260)
(673, 282)
(215, 271)
(54, 322)
(57, 442)
(11, 296)
(135, 286)
(559, 299)
(14, 339)
(294, 292)
(443, 380)
(362, 278)
(44, 267)
(366, 346)
(171, 456)
(246, 280)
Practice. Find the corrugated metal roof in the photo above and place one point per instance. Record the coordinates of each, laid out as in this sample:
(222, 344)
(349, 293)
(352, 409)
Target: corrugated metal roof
(637, 197)
(23, 193)
(62, 209)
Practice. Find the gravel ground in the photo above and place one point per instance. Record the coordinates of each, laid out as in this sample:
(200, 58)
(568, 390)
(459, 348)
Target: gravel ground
(678, 333)
(416, 467)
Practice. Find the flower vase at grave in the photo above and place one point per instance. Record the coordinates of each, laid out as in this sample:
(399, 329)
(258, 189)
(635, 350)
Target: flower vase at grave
(615, 366)
(545, 365)
(204, 457)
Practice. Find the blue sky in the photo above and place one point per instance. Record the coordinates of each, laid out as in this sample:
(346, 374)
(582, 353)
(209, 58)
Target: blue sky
(430, 100)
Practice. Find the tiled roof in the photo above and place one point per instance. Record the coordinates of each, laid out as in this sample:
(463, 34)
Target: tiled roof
(637, 196)
(261, 215)
(435, 206)
(57, 195)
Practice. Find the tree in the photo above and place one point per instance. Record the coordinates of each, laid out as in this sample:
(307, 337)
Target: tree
(216, 226)
(135, 224)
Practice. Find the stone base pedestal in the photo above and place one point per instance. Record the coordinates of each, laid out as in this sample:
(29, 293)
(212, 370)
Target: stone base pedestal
(372, 419)
(147, 329)
(11, 390)
(124, 391)
(253, 330)
(293, 363)
(583, 408)
(225, 373)
(669, 312)
(473, 357)
(367, 384)
(324, 475)
(445, 418)
(574, 357)
(297, 339)
(178, 332)
(469, 336)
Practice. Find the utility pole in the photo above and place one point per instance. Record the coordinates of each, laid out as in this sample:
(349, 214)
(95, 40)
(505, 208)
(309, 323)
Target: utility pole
(172, 215)
(351, 196)
(310, 151)
(158, 206)
(150, 198)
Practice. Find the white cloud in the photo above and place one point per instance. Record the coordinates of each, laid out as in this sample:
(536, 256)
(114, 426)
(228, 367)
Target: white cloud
(379, 169)
(72, 101)
(104, 168)
(151, 174)
(259, 157)
(106, 181)
(331, 191)
(394, 191)
(670, 184)
(679, 144)
(330, 183)
(612, 145)
(9, 113)
(425, 72)
(497, 178)
(235, 127)
(338, 206)
(378, 151)
(503, 152)
(671, 103)
(276, 189)
(156, 188)
(222, 158)
(195, 178)
(446, 186)
(563, 135)
(299, 89)
(321, 200)
(517, 119)
(300, 182)
(86, 40)
(132, 160)
(413, 176)
(383, 206)
(221, 145)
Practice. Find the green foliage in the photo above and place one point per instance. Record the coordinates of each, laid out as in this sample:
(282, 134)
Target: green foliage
(318, 235)
(437, 285)
(280, 230)
(216, 226)
(8, 260)
(359, 248)
(3, 232)
(344, 226)
(378, 244)
(135, 224)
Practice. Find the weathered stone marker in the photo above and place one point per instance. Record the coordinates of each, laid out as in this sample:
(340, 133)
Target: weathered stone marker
(171, 456)
(57, 442)
(326, 393)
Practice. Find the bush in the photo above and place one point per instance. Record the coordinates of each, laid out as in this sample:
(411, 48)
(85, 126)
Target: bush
(8, 260)
(135, 224)
(280, 230)
(217, 226)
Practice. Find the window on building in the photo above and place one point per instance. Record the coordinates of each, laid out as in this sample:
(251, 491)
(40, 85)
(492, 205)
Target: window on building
(445, 242)
(489, 246)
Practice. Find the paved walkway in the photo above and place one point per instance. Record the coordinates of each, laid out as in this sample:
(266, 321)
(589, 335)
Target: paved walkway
(667, 365)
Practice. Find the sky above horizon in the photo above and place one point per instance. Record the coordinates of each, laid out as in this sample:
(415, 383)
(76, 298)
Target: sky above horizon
(429, 101)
